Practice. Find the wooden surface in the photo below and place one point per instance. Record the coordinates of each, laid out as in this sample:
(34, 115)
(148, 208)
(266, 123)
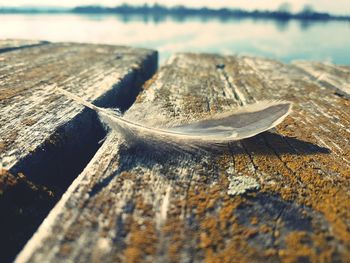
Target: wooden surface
(13, 44)
(328, 75)
(136, 203)
(31, 111)
(45, 139)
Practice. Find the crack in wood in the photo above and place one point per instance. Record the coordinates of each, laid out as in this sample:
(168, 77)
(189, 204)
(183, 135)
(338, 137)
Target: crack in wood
(60, 152)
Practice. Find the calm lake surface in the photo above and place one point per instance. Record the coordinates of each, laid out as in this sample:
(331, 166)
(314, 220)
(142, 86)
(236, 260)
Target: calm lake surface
(285, 41)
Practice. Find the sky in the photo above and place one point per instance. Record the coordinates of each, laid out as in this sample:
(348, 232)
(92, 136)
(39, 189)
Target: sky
(331, 6)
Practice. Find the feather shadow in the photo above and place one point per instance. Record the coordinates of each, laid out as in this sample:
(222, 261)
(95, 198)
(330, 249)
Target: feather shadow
(147, 156)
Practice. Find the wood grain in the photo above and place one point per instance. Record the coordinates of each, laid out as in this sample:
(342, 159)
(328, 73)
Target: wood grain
(31, 112)
(328, 75)
(145, 204)
(45, 139)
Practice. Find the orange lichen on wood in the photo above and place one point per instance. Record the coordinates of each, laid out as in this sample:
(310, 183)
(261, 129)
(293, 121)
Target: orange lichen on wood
(141, 242)
(254, 220)
(298, 248)
(55, 139)
(65, 249)
(327, 194)
(2, 146)
(146, 86)
(10, 138)
(236, 248)
(216, 228)
(28, 122)
(174, 230)
(150, 82)
(6, 94)
(7, 180)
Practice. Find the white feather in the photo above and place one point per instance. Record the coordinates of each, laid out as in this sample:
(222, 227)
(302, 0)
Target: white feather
(239, 123)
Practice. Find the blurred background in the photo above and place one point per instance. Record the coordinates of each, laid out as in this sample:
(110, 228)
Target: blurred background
(299, 29)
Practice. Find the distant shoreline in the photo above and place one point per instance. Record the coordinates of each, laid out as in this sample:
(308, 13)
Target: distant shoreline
(180, 12)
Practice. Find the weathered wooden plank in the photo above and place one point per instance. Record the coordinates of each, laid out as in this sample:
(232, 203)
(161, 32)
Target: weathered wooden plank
(328, 75)
(141, 203)
(30, 110)
(13, 44)
(48, 138)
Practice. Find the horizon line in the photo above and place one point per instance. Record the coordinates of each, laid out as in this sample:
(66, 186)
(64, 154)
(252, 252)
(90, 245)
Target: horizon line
(229, 11)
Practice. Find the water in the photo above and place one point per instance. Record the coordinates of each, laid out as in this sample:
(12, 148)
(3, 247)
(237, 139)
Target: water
(285, 41)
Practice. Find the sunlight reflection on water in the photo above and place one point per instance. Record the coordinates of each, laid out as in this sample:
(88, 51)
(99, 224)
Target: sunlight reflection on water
(286, 41)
